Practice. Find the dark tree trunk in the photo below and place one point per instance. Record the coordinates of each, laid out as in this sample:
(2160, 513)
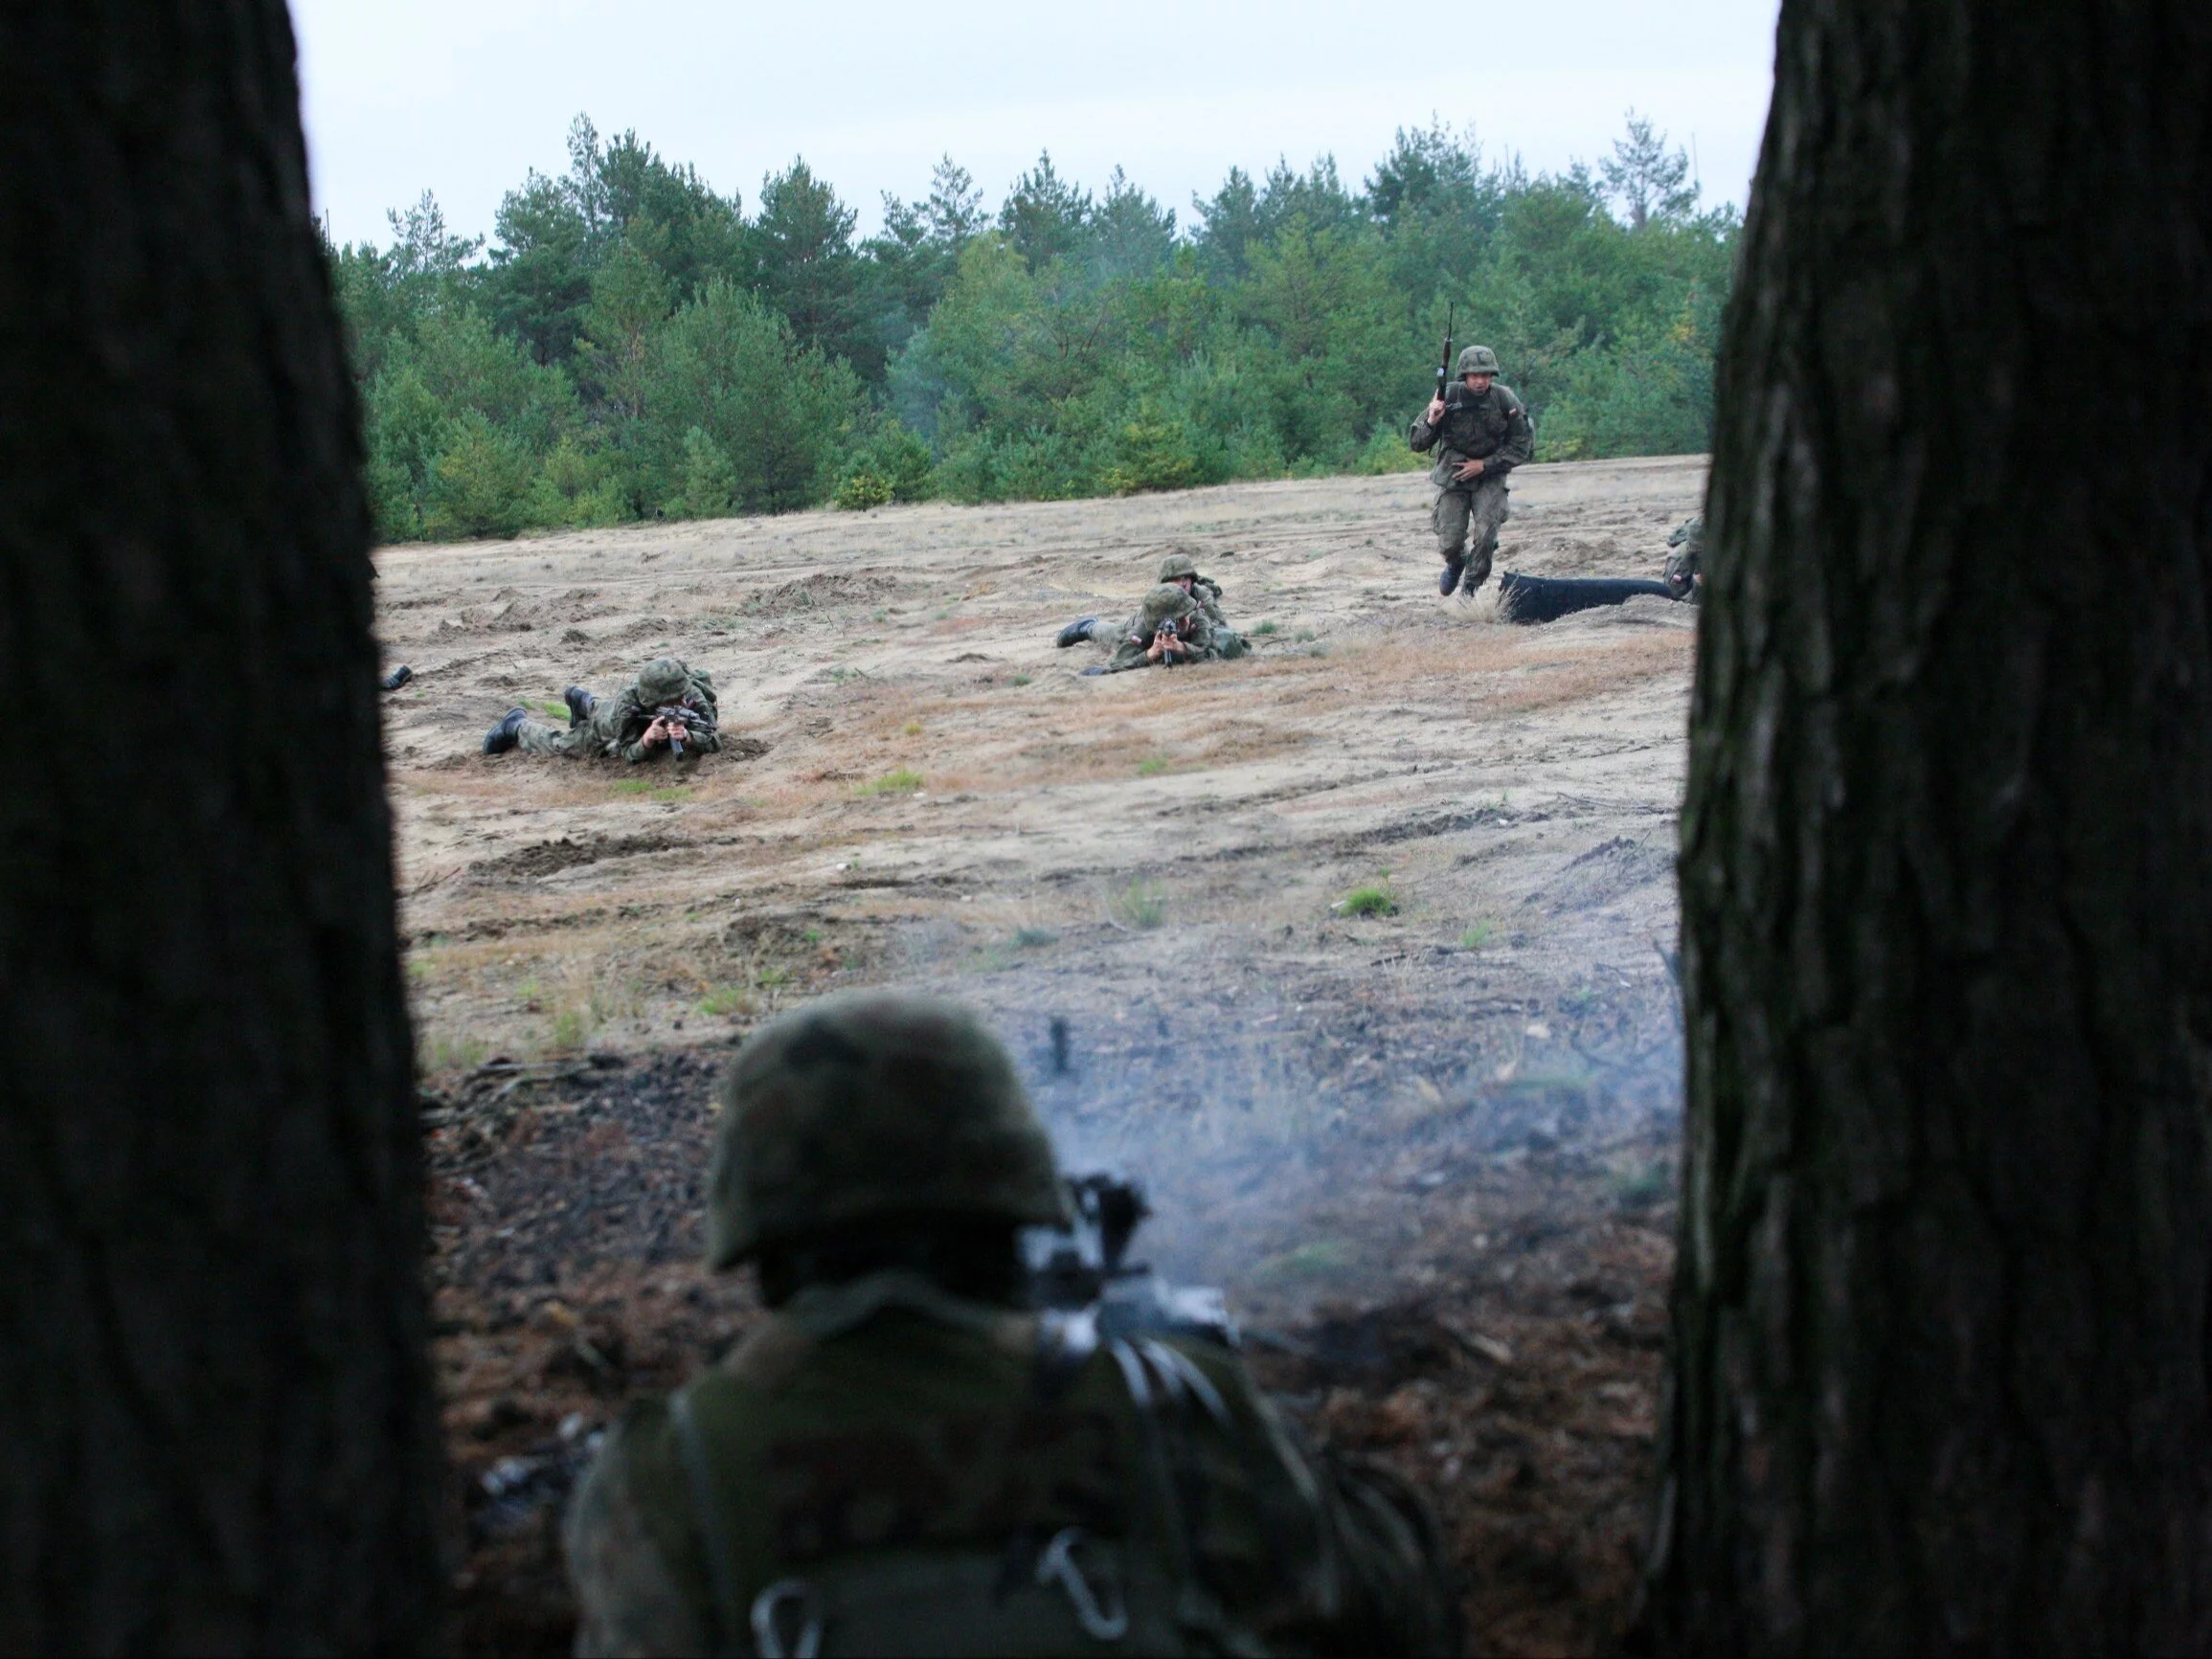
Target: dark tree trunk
(221, 1431)
(1939, 1376)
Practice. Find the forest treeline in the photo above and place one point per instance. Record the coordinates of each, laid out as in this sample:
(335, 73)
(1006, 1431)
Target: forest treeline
(630, 343)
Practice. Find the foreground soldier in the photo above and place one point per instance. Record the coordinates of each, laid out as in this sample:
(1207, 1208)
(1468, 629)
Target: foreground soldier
(1481, 434)
(903, 1459)
(628, 723)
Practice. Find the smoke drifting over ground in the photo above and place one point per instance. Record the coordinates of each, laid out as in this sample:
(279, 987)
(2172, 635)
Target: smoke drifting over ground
(1352, 956)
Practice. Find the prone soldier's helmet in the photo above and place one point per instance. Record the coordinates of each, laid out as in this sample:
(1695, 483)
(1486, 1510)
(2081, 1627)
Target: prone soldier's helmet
(1478, 360)
(869, 1102)
(664, 680)
(1176, 566)
(1166, 603)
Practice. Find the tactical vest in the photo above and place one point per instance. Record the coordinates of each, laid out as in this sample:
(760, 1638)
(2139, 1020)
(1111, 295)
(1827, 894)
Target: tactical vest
(1476, 425)
(1009, 1483)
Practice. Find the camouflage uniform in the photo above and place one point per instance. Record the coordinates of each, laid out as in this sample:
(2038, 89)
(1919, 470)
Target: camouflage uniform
(883, 1466)
(1228, 643)
(1685, 576)
(1490, 426)
(616, 724)
(1165, 603)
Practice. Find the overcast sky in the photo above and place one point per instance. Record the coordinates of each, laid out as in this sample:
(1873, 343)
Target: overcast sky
(460, 97)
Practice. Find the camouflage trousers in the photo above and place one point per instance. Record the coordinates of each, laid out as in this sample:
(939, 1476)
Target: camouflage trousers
(591, 739)
(1467, 523)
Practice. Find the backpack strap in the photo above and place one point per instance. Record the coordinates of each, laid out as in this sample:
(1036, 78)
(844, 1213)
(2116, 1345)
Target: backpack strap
(691, 1450)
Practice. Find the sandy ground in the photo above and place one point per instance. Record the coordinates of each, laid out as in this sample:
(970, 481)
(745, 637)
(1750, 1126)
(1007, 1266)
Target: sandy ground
(1428, 1153)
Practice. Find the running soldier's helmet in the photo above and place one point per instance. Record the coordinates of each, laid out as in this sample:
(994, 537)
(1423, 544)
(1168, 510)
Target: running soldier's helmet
(664, 680)
(869, 1102)
(1166, 603)
(1479, 360)
(1176, 566)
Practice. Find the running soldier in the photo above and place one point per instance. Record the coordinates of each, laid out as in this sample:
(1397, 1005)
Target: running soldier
(1480, 433)
(904, 1457)
(667, 707)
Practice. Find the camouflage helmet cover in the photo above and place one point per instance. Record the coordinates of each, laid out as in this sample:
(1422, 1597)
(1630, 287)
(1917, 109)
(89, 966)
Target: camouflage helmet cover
(664, 680)
(1166, 603)
(1479, 360)
(869, 1102)
(1176, 566)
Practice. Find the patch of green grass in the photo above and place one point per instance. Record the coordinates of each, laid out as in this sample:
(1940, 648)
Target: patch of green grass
(1322, 1257)
(1152, 766)
(454, 1054)
(772, 976)
(418, 967)
(556, 710)
(904, 781)
(670, 791)
(1376, 899)
(812, 935)
(912, 729)
(1140, 904)
(727, 999)
(634, 786)
(1269, 626)
(1034, 938)
(1304, 636)
(1475, 938)
(1637, 1189)
(571, 1027)
(1018, 680)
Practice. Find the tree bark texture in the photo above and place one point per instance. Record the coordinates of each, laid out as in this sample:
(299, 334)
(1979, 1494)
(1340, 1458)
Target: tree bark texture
(220, 1426)
(1940, 1321)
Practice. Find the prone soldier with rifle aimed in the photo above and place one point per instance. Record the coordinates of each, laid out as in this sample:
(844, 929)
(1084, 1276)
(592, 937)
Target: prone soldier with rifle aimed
(931, 1443)
(670, 706)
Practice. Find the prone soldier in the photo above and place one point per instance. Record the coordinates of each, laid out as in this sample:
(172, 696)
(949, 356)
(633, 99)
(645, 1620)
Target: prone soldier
(1178, 570)
(668, 708)
(907, 1456)
(1479, 433)
(1169, 630)
(1685, 574)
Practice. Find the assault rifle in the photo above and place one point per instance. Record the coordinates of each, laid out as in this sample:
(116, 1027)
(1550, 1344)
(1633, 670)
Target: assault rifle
(1084, 1269)
(683, 720)
(1444, 363)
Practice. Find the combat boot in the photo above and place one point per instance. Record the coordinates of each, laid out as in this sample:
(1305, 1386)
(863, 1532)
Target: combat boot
(580, 703)
(1448, 578)
(506, 734)
(1077, 632)
(399, 677)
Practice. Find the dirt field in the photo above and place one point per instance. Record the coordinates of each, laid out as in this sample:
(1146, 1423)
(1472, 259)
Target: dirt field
(1428, 1153)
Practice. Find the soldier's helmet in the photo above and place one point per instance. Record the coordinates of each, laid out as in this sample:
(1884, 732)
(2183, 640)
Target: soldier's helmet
(869, 1102)
(1479, 360)
(664, 680)
(1166, 603)
(1177, 566)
